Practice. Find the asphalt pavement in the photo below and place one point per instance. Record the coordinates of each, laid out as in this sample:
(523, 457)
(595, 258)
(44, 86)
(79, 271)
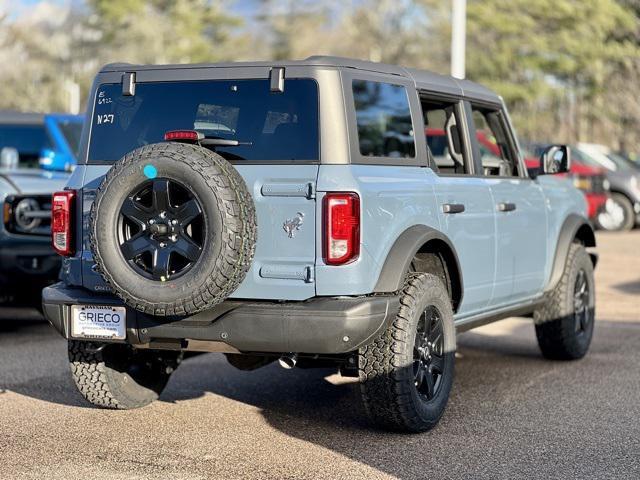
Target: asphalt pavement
(512, 414)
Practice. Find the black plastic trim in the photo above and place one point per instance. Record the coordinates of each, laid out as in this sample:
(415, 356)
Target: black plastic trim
(403, 252)
(321, 325)
(476, 321)
(568, 233)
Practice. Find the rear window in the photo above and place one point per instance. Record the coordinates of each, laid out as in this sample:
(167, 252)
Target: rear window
(268, 126)
(384, 121)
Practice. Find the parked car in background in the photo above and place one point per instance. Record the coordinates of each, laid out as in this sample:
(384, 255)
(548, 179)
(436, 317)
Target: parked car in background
(25, 133)
(50, 141)
(622, 211)
(64, 137)
(631, 158)
(27, 260)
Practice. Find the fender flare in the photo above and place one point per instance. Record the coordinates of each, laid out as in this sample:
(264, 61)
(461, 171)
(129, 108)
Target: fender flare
(404, 250)
(574, 226)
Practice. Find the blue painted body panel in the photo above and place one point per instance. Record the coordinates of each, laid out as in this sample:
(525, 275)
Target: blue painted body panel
(392, 199)
(472, 234)
(505, 257)
(283, 266)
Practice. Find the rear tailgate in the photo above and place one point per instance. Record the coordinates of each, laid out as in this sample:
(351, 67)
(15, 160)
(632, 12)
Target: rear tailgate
(283, 267)
(275, 136)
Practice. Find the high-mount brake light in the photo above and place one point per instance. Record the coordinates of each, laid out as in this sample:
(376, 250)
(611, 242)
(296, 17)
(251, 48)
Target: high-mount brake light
(341, 218)
(62, 208)
(183, 135)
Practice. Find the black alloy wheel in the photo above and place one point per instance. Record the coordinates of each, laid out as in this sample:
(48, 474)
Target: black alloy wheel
(566, 319)
(161, 231)
(582, 313)
(428, 353)
(172, 229)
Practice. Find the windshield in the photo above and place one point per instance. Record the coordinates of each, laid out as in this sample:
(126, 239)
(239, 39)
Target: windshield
(28, 140)
(71, 130)
(268, 126)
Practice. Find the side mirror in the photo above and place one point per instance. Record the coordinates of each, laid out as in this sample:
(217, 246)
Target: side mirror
(555, 159)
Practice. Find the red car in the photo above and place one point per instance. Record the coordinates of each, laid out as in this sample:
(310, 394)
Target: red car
(590, 180)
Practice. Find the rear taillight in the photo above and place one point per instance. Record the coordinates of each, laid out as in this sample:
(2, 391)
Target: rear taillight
(341, 228)
(62, 222)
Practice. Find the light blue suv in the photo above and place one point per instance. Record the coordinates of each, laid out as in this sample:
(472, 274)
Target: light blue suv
(295, 211)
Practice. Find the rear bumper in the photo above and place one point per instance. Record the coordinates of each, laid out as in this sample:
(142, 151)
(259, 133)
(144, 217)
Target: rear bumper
(322, 325)
(23, 261)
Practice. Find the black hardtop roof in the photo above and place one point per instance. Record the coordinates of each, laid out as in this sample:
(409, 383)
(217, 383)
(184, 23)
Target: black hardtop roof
(421, 78)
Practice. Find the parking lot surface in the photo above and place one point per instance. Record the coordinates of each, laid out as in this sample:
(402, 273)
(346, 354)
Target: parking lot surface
(512, 414)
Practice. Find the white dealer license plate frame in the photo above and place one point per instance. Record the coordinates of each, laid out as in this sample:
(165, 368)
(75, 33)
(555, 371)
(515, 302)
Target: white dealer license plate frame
(98, 322)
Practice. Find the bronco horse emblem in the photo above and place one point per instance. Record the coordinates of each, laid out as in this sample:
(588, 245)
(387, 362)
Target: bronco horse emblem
(293, 224)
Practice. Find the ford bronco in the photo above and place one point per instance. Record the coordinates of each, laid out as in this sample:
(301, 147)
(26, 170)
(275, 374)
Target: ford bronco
(290, 211)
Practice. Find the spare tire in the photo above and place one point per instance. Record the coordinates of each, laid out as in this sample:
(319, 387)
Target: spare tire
(173, 229)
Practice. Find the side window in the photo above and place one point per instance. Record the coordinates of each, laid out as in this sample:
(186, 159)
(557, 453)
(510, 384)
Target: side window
(443, 136)
(384, 121)
(498, 157)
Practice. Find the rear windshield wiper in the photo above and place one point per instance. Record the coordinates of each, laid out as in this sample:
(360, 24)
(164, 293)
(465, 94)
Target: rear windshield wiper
(222, 142)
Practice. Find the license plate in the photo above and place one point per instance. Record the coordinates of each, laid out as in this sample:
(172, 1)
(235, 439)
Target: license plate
(98, 322)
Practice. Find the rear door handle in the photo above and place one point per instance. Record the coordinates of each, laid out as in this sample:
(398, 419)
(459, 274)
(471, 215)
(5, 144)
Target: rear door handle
(453, 208)
(506, 207)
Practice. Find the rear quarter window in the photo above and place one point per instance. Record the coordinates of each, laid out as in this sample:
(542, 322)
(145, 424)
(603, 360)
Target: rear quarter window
(383, 117)
(268, 126)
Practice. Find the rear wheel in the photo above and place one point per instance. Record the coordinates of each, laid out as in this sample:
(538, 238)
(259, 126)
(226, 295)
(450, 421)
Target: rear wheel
(119, 377)
(564, 325)
(407, 372)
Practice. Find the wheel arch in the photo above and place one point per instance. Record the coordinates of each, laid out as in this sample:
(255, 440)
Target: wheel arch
(425, 250)
(574, 229)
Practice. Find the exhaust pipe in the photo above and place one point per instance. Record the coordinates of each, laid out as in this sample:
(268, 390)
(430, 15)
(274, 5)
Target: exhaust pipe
(288, 361)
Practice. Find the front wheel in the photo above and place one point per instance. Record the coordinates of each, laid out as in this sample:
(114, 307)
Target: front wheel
(564, 324)
(118, 376)
(407, 372)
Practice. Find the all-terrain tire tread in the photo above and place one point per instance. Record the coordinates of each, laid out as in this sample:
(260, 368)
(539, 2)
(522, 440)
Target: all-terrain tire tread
(239, 215)
(385, 388)
(555, 333)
